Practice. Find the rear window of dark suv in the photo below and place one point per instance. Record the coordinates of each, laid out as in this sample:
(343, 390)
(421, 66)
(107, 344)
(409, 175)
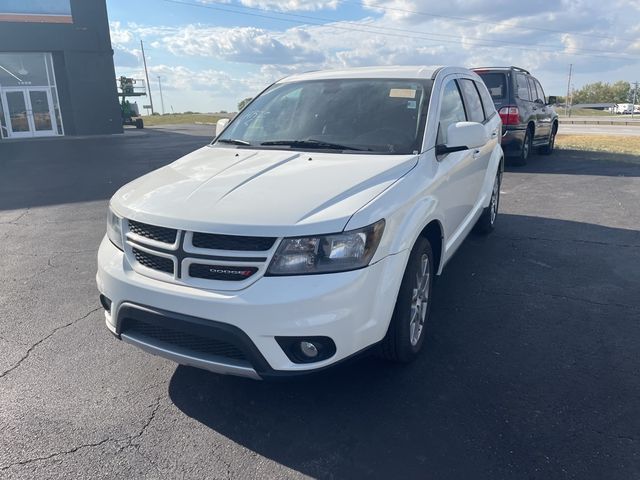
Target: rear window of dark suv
(496, 84)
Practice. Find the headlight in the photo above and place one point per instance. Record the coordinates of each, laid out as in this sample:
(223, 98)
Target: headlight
(338, 252)
(114, 229)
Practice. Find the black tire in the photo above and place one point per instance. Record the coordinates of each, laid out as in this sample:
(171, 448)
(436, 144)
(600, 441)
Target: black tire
(397, 345)
(487, 221)
(549, 147)
(525, 149)
(139, 123)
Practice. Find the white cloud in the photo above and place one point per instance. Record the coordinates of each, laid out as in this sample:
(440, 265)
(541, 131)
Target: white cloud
(285, 5)
(241, 44)
(528, 35)
(119, 35)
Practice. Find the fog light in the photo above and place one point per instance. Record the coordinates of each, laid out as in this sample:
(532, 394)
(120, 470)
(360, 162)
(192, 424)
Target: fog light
(309, 349)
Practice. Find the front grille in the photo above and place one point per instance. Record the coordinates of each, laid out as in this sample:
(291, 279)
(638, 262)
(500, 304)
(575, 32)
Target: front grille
(171, 338)
(232, 242)
(153, 232)
(153, 261)
(221, 272)
(167, 250)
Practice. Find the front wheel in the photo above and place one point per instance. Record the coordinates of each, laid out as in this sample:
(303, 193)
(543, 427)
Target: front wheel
(406, 332)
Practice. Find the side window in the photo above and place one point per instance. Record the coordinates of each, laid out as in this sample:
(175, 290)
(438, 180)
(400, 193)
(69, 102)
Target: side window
(451, 110)
(541, 95)
(522, 87)
(472, 100)
(487, 101)
(532, 87)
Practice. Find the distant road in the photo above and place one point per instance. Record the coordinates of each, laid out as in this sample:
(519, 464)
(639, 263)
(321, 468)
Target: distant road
(600, 129)
(601, 118)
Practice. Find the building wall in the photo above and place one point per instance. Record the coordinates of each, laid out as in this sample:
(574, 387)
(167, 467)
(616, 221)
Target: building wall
(83, 64)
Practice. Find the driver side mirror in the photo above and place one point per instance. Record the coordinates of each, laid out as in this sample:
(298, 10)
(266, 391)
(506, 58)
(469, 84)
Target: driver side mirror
(552, 100)
(220, 125)
(463, 136)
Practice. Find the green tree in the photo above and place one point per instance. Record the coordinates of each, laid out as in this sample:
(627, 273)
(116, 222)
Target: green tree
(243, 103)
(602, 92)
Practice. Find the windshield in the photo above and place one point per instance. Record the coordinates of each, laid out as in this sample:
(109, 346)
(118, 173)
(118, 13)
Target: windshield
(350, 115)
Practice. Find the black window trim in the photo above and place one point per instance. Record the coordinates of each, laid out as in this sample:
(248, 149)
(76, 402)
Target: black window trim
(464, 106)
(464, 101)
(461, 93)
(484, 108)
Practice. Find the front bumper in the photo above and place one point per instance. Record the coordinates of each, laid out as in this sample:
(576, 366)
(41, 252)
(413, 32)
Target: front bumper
(352, 308)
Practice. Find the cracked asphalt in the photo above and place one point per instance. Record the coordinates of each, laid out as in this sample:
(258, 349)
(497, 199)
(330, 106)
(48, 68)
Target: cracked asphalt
(530, 369)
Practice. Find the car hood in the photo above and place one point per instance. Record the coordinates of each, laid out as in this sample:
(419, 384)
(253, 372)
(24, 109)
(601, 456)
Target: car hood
(260, 192)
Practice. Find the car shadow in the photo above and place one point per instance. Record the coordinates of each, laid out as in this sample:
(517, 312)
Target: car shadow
(53, 171)
(578, 162)
(520, 330)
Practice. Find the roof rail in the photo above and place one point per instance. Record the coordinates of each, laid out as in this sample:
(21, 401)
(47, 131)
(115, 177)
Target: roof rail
(505, 68)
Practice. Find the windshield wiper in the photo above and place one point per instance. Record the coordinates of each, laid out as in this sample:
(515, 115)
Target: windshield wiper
(311, 143)
(233, 141)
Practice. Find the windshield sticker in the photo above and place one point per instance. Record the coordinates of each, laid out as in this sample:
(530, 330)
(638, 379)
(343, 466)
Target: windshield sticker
(402, 93)
(411, 104)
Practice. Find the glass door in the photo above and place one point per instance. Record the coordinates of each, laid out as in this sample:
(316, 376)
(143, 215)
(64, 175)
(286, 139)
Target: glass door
(43, 121)
(29, 112)
(17, 114)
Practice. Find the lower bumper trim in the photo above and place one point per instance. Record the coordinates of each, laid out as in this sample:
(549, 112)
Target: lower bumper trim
(185, 359)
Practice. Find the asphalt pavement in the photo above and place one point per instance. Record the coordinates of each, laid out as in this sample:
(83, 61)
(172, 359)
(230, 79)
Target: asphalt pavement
(530, 368)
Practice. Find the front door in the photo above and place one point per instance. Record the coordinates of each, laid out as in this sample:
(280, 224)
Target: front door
(29, 112)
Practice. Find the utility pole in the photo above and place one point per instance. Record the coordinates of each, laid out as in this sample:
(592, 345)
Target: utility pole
(146, 74)
(633, 102)
(566, 101)
(161, 99)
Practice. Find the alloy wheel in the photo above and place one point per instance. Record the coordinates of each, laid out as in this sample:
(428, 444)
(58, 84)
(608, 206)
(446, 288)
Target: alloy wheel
(420, 301)
(495, 199)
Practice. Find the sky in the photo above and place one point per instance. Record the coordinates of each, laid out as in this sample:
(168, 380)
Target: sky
(212, 54)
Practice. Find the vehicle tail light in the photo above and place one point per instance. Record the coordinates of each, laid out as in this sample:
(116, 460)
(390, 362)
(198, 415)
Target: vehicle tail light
(509, 115)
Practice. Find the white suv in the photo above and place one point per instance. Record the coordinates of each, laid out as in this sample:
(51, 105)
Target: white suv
(312, 227)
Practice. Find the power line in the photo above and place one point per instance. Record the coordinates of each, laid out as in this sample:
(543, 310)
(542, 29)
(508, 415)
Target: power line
(471, 20)
(427, 35)
(368, 29)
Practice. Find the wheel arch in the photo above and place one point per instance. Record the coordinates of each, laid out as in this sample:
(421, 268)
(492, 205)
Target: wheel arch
(435, 234)
(531, 125)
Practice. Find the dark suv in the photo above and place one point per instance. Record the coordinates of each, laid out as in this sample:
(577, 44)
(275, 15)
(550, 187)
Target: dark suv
(528, 117)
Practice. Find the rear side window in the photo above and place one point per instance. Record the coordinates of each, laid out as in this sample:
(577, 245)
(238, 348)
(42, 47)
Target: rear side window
(487, 101)
(522, 87)
(532, 87)
(496, 84)
(472, 100)
(540, 91)
(451, 111)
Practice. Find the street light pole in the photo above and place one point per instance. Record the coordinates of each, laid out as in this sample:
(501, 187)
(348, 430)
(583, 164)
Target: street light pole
(146, 74)
(161, 98)
(566, 100)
